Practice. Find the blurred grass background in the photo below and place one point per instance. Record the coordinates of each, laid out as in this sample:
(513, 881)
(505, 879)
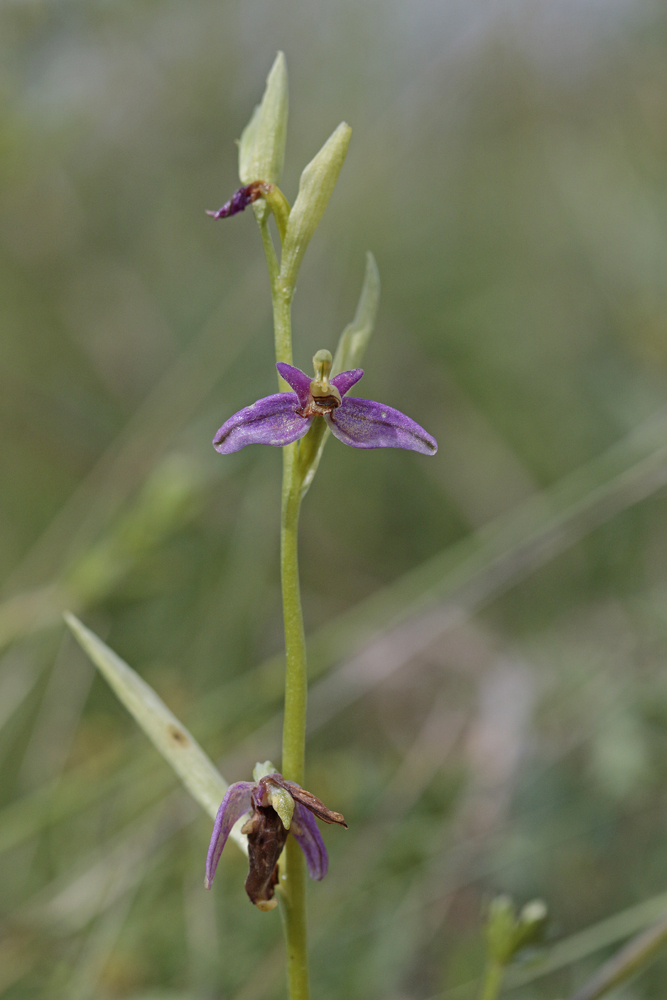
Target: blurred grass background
(485, 725)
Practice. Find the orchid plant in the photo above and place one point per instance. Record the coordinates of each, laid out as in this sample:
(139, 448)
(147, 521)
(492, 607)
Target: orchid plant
(298, 418)
(273, 819)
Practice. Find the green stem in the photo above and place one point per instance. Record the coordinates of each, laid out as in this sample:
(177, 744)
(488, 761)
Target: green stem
(292, 892)
(493, 980)
(281, 298)
(296, 683)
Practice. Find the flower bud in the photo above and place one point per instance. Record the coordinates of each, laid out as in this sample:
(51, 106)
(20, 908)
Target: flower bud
(315, 187)
(506, 933)
(500, 929)
(532, 921)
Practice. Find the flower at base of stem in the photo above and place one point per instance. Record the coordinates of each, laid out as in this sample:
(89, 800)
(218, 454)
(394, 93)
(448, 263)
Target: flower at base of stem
(272, 818)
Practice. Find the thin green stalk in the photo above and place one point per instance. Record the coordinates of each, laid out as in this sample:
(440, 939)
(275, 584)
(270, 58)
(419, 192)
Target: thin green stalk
(631, 959)
(292, 893)
(294, 726)
(281, 298)
(493, 981)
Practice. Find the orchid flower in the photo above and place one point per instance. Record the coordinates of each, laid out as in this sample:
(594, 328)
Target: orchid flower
(277, 808)
(285, 417)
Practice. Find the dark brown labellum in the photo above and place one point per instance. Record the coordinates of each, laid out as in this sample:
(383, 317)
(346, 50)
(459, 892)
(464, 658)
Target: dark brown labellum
(266, 839)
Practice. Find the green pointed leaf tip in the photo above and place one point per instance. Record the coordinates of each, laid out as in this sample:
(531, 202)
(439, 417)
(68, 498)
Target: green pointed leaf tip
(315, 188)
(354, 338)
(178, 747)
(262, 144)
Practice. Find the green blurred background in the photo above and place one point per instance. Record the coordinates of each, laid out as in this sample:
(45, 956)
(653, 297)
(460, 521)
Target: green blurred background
(489, 627)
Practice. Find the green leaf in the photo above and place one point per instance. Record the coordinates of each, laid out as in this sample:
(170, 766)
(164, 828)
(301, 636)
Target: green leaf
(178, 747)
(315, 188)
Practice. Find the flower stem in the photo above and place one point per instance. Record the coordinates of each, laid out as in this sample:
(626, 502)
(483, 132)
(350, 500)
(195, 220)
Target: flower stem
(292, 894)
(493, 980)
(296, 683)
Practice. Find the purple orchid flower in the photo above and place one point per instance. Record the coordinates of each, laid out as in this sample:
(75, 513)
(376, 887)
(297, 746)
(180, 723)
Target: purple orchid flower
(278, 807)
(285, 417)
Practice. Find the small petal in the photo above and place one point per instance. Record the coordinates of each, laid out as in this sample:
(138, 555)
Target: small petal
(309, 839)
(363, 423)
(236, 802)
(282, 802)
(346, 380)
(299, 381)
(272, 420)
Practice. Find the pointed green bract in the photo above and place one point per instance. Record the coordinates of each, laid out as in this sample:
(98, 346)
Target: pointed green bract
(178, 747)
(315, 188)
(262, 143)
(354, 338)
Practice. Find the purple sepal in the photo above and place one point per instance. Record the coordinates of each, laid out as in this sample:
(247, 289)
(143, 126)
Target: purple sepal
(298, 380)
(346, 380)
(271, 420)
(238, 202)
(308, 837)
(237, 801)
(363, 423)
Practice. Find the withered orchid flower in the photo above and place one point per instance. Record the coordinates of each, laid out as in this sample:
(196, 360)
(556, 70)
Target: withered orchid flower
(277, 808)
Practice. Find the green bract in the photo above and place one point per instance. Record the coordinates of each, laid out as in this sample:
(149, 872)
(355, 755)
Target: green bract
(354, 338)
(315, 187)
(262, 143)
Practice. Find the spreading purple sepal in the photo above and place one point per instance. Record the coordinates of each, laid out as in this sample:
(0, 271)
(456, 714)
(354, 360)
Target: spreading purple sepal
(237, 802)
(309, 839)
(272, 420)
(297, 379)
(363, 423)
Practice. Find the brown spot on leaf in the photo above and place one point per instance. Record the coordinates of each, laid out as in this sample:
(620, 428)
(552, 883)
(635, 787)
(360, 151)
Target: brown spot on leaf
(177, 736)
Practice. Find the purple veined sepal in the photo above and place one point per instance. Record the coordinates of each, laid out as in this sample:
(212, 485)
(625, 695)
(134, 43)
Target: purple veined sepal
(236, 803)
(272, 420)
(307, 834)
(363, 423)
